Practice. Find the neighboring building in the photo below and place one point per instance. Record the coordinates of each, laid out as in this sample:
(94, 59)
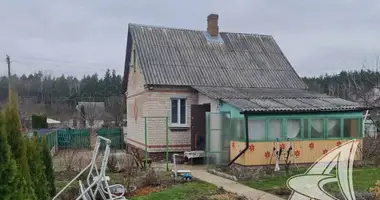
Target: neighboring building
(184, 74)
(52, 123)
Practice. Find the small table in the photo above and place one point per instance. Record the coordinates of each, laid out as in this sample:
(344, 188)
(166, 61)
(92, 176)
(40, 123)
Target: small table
(191, 155)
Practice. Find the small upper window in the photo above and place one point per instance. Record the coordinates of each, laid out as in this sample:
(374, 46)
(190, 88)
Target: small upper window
(178, 111)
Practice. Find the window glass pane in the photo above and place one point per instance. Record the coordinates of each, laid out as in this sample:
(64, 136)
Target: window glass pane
(183, 111)
(275, 129)
(317, 128)
(305, 128)
(351, 128)
(293, 128)
(333, 128)
(174, 111)
(256, 129)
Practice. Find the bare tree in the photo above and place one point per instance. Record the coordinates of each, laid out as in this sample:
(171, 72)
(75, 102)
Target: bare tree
(92, 113)
(61, 111)
(366, 91)
(115, 106)
(27, 108)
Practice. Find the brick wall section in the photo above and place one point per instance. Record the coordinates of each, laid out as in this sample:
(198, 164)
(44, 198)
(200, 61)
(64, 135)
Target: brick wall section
(158, 103)
(135, 105)
(142, 102)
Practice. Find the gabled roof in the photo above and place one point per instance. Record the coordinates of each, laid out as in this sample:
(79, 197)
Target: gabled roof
(180, 57)
(278, 100)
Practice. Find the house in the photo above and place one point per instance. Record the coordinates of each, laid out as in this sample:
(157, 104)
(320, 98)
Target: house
(216, 88)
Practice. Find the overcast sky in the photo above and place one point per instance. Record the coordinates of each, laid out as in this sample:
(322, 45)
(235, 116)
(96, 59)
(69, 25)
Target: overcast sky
(85, 36)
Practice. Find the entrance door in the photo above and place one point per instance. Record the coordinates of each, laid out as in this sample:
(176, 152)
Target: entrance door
(198, 126)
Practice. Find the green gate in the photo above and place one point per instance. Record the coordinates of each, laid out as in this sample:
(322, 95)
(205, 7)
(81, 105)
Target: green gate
(218, 136)
(114, 134)
(73, 139)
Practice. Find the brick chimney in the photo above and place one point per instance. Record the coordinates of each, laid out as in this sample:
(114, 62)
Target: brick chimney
(212, 25)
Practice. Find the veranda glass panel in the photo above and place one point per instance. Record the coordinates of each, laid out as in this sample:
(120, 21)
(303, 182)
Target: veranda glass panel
(351, 128)
(305, 128)
(316, 128)
(333, 128)
(275, 129)
(256, 129)
(237, 129)
(293, 127)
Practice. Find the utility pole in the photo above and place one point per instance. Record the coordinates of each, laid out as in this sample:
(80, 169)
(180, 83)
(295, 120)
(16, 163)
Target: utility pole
(9, 74)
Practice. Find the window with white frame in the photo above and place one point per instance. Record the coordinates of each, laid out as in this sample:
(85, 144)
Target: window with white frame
(178, 111)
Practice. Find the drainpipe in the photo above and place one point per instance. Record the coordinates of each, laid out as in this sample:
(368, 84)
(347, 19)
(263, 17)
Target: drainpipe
(246, 141)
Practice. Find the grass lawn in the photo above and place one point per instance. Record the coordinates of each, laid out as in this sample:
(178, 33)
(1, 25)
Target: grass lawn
(192, 190)
(363, 179)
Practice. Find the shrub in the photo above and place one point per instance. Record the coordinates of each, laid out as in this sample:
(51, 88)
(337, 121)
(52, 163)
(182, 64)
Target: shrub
(37, 169)
(129, 178)
(112, 163)
(151, 178)
(16, 141)
(376, 190)
(48, 164)
(8, 168)
(69, 159)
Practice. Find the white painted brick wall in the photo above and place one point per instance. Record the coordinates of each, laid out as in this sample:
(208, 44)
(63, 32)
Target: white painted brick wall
(158, 105)
(155, 103)
(136, 94)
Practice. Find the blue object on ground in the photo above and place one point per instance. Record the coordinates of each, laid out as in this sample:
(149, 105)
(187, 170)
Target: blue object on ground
(187, 176)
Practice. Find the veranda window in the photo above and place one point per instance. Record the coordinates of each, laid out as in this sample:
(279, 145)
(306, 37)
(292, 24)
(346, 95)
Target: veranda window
(294, 128)
(256, 129)
(275, 129)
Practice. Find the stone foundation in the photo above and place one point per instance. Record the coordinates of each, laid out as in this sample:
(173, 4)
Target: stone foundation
(158, 156)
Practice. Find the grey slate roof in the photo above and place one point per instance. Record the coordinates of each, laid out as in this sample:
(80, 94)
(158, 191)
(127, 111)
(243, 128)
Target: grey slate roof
(179, 57)
(249, 71)
(278, 100)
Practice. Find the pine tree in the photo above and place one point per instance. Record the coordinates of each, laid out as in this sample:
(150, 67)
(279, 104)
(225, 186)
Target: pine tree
(18, 149)
(48, 163)
(8, 169)
(37, 169)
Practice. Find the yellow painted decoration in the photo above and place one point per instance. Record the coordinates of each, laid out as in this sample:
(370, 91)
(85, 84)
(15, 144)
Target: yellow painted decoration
(302, 151)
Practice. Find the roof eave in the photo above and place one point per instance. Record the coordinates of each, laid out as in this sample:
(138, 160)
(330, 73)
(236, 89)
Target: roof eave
(127, 60)
(304, 111)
